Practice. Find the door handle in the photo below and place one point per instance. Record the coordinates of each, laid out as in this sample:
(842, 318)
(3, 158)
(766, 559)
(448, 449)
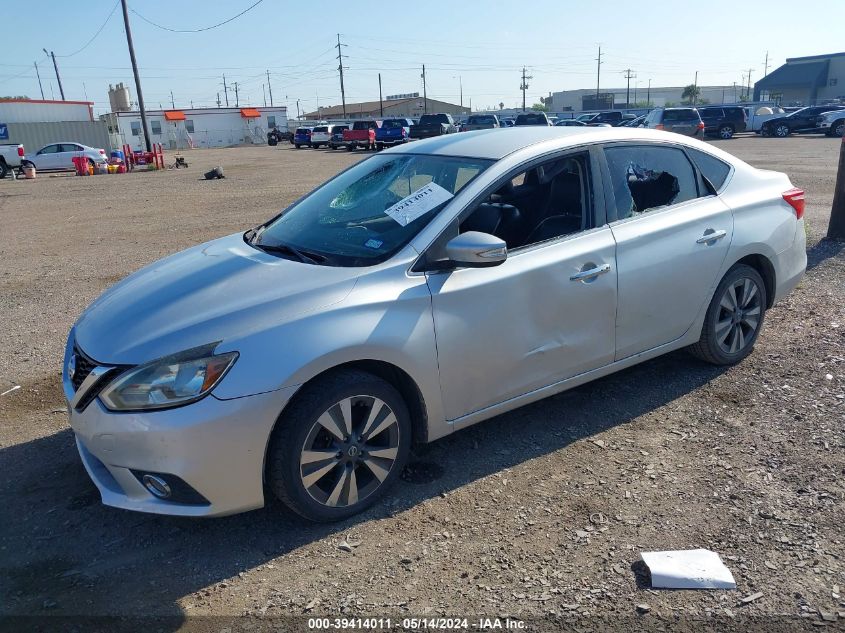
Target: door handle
(590, 273)
(712, 236)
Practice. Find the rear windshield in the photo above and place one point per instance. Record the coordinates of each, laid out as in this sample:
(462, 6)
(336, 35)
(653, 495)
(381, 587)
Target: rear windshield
(339, 128)
(362, 125)
(430, 119)
(302, 130)
(392, 124)
(482, 120)
(680, 115)
(322, 128)
(531, 119)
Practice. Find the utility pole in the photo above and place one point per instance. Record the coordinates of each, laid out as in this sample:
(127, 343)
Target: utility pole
(695, 89)
(218, 98)
(629, 74)
(225, 91)
(524, 86)
(461, 88)
(836, 226)
(380, 103)
(340, 57)
(766, 65)
(237, 102)
(269, 89)
(425, 96)
(172, 102)
(40, 87)
(56, 68)
(137, 77)
(264, 92)
(748, 92)
(648, 94)
(297, 109)
(598, 74)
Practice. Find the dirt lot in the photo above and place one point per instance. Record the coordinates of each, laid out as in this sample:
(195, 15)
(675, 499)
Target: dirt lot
(540, 513)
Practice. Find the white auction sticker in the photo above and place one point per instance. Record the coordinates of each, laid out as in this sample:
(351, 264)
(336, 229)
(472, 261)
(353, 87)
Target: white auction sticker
(418, 203)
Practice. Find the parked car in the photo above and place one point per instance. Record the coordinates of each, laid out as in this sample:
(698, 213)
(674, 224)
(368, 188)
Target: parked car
(635, 122)
(301, 137)
(802, 120)
(481, 122)
(757, 116)
(336, 139)
(59, 156)
(393, 132)
(506, 122)
(832, 123)
(532, 118)
(301, 354)
(723, 121)
(361, 134)
(684, 121)
(321, 135)
(433, 125)
(613, 117)
(570, 123)
(12, 156)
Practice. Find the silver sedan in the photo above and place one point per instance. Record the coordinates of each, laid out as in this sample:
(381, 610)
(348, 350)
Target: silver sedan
(427, 288)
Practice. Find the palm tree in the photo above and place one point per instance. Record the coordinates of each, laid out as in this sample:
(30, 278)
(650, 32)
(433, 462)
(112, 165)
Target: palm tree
(691, 93)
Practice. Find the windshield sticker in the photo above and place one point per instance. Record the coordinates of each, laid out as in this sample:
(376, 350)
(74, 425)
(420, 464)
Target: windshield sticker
(418, 203)
(371, 243)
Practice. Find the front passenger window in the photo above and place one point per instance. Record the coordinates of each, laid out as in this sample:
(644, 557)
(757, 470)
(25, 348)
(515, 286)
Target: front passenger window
(645, 178)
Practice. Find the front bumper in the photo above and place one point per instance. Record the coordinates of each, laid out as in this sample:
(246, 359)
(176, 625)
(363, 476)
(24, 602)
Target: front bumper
(214, 446)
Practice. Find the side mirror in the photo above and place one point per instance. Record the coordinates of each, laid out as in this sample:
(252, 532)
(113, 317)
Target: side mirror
(477, 250)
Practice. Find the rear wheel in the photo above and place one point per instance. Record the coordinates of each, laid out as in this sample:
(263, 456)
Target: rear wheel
(4, 169)
(341, 444)
(726, 132)
(297, 145)
(379, 146)
(839, 129)
(734, 317)
(782, 130)
(350, 147)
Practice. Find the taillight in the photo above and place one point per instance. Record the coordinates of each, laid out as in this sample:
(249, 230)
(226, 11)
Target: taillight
(795, 198)
(20, 150)
(701, 125)
(103, 152)
(404, 132)
(659, 126)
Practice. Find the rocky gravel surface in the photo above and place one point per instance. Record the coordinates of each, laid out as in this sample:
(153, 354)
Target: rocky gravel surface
(539, 514)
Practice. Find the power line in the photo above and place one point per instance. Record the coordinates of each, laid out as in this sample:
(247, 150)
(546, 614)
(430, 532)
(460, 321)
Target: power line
(206, 28)
(99, 30)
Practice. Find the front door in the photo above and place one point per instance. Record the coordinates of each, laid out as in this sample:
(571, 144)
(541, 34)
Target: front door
(46, 158)
(672, 237)
(545, 314)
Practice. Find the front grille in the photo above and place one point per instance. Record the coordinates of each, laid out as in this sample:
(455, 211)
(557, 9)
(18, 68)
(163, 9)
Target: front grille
(84, 365)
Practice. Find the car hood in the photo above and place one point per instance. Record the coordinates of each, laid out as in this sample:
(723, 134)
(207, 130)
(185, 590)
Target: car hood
(223, 290)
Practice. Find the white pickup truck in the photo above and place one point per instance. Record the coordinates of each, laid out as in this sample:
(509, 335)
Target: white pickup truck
(757, 115)
(11, 157)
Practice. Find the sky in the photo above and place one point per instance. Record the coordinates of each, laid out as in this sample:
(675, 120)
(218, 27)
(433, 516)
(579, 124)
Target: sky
(479, 48)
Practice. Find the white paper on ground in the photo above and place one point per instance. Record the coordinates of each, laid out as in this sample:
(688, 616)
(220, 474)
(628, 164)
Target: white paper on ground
(688, 569)
(418, 203)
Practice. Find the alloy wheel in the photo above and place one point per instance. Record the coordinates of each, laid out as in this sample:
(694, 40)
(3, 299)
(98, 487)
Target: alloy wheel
(726, 132)
(839, 130)
(349, 451)
(782, 131)
(739, 315)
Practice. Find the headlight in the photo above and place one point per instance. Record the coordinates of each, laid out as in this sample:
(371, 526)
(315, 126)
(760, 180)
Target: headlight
(167, 382)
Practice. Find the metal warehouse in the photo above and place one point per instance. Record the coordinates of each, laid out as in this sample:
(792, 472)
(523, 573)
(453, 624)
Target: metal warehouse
(196, 127)
(812, 80)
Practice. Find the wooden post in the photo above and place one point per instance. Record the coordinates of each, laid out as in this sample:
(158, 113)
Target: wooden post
(836, 227)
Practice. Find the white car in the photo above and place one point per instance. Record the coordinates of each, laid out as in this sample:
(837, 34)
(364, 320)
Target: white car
(59, 156)
(832, 123)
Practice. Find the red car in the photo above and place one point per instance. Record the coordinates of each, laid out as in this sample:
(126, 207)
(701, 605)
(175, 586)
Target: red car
(363, 134)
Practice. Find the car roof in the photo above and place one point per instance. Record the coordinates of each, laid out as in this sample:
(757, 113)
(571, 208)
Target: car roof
(497, 143)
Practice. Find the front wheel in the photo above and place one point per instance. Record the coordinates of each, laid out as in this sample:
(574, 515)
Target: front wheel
(340, 445)
(782, 130)
(839, 130)
(297, 145)
(4, 169)
(734, 317)
(379, 146)
(726, 132)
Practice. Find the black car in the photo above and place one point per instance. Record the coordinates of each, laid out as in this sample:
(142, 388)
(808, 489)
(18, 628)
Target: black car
(723, 121)
(336, 139)
(532, 118)
(803, 120)
(612, 117)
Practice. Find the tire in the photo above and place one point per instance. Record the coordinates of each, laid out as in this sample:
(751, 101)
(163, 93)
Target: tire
(839, 129)
(350, 148)
(765, 132)
(4, 169)
(379, 146)
(297, 146)
(781, 130)
(321, 489)
(726, 132)
(315, 146)
(728, 344)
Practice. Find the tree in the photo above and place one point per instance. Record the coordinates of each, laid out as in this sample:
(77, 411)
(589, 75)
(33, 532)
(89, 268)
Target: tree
(836, 227)
(24, 97)
(691, 94)
(540, 107)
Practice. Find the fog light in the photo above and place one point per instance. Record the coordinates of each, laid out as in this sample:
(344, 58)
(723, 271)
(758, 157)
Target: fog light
(157, 486)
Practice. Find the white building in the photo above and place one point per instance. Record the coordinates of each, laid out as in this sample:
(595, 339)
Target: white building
(39, 111)
(196, 127)
(658, 96)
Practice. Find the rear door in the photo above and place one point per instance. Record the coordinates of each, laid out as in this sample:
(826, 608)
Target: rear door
(672, 237)
(64, 158)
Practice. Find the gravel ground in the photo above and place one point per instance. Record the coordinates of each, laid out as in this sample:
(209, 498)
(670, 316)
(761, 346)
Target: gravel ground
(539, 514)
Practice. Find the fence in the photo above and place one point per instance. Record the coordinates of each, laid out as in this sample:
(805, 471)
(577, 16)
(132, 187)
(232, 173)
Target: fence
(34, 136)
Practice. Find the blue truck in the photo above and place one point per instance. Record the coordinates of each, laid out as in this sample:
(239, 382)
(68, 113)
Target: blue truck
(393, 132)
